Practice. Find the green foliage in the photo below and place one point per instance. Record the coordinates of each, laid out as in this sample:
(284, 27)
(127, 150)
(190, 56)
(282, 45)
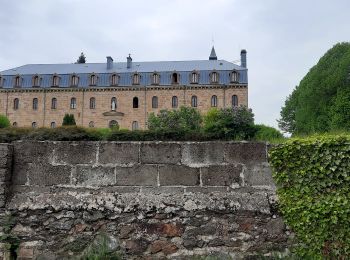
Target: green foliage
(100, 249)
(68, 120)
(4, 121)
(267, 133)
(11, 241)
(321, 101)
(313, 176)
(185, 119)
(230, 123)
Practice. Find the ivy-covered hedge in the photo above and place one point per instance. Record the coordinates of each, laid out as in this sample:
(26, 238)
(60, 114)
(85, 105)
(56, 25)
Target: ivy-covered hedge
(313, 178)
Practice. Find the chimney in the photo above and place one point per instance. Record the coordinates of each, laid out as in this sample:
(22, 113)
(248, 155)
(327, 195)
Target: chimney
(109, 62)
(128, 62)
(243, 58)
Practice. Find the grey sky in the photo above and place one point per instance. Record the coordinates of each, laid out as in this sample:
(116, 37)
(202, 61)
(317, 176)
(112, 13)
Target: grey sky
(284, 39)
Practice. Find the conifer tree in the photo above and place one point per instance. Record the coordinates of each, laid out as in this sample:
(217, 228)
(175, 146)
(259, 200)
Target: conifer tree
(82, 58)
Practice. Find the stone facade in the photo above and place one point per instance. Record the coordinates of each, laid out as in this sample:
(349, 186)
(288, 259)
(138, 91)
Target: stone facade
(150, 200)
(102, 115)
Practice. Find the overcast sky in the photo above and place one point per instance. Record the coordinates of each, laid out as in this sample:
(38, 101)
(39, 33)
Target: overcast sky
(284, 39)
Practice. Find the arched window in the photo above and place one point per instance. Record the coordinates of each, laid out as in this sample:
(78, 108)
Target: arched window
(234, 76)
(53, 125)
(34, 124)
(234, 101)
(93, 80)
(135, 125)
(135, 102)
(15, 103)
(214, 77)
(194, 77)
(36, 81)
(74, 81)
(154, 102)
(14, 124)
(92, 103)
(175, 78)
(214, 101)
(114, 80)
(155, 79)
(136, 79)
(113, 124)
(53, 103)
(113, 104)
(174, 102)
(18, 81)
(73, 103)
(91, 124)
(35, 104)
(55, 81)
(194, 101)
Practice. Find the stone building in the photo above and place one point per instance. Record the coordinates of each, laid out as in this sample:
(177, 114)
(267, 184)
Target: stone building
(118, 93)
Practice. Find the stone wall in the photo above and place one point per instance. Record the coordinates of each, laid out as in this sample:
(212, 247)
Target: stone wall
(147, 199)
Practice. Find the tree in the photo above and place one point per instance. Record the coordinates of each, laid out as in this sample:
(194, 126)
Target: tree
(185, 119)
(318, 103)
(230, 123)
(68, 120)
(81, 58)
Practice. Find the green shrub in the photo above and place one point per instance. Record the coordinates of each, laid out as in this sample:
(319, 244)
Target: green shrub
(186, 119)
(4, 121)
(313, 176)
(68, 120)
(267, 133)
(230, 123)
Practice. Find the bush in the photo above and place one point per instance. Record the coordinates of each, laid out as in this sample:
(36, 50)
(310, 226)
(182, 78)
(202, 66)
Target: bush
(267, 133)
(313, 176)
(68, 120)
(185, 119)
(4, 121)
(230, 123)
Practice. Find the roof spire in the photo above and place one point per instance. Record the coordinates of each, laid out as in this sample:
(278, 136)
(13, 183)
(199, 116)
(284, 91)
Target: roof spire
(213, 54)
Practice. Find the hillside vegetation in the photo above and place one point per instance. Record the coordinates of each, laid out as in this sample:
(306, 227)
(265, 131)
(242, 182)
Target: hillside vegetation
(321, 102)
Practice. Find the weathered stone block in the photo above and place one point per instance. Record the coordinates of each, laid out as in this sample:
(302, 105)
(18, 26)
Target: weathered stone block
(119, 153)
(5, 175)
(174, 175)
(19, 175)
(169, 153)
(75, 152)
(206, 189)
(259, 175)
(162, 190)
(95, 176)
(221, 175)
(47, 175)
(140, 175)
(203, 153)
(244, 152)
(31, 152)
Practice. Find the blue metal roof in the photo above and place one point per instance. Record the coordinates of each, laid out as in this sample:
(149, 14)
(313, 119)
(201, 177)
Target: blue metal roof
(120, 67)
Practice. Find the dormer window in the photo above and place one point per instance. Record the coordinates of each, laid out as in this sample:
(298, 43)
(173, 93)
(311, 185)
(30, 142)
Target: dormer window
(136, 79)
(234, 76)
(93, 80)
(194, 77)
(74, 81)
(55, 81)
(114, 80)
(175, 78)
(36, 81)
(214, 77)
(155, 79)
(1, 82)
(18, 81)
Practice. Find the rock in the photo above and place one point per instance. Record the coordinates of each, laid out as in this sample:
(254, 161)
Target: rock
(125, 231)
(161, 245)
(136, 247)
(20, 230)
(96, 215)
(275, 227)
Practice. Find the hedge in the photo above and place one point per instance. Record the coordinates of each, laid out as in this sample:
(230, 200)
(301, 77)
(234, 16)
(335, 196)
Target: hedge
(313, 178)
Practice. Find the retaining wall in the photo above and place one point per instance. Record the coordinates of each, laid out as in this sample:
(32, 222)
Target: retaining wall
(149, 199)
